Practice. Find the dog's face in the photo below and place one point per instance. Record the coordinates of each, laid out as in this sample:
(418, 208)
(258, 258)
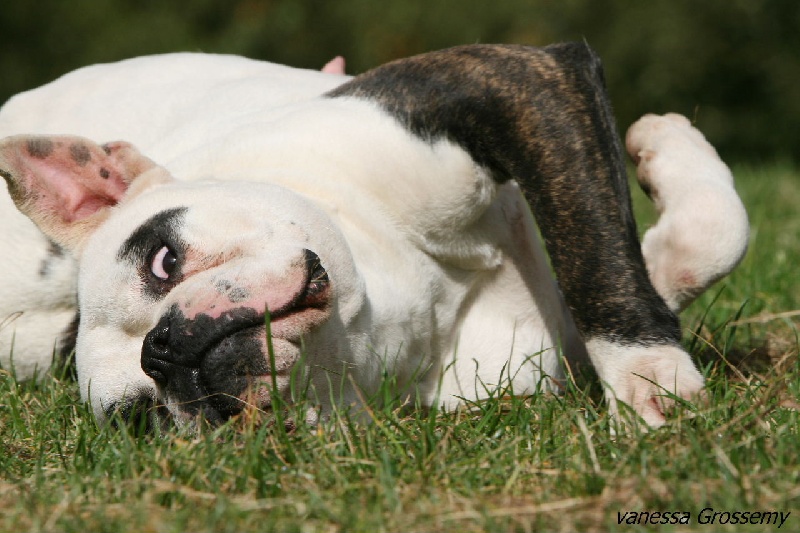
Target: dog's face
(196, 296)
(190, 290)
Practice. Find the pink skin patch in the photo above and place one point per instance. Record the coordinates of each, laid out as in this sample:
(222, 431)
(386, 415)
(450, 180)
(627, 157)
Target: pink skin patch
(293, 310)
(226, 295)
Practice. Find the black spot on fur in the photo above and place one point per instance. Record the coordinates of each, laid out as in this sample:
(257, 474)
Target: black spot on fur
(162, 229)
(234, 294)
(238, 294)
(104, 173)
(55, 253)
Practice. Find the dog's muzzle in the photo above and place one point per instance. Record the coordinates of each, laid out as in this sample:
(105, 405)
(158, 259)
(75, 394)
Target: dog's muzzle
(209, 366)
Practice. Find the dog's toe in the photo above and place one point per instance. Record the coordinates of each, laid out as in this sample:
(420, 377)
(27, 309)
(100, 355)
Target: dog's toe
(651, 381)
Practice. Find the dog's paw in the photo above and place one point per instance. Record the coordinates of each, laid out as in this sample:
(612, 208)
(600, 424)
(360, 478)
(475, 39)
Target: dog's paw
(672, 157)
(702, 230)
(651, 380)
(653, 132)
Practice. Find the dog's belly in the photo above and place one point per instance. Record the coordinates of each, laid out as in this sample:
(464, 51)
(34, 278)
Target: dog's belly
(451, 328)
(514, 326)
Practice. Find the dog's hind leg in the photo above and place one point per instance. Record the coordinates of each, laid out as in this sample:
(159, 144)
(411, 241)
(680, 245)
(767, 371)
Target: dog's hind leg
(702, 230)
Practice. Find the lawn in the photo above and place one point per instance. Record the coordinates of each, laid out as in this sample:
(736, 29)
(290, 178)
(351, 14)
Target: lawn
(547, 462)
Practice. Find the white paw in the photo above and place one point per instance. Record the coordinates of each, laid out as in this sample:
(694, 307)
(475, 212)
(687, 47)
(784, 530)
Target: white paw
(653, 131)
(702, 231)
(646, 378)
(673, 158)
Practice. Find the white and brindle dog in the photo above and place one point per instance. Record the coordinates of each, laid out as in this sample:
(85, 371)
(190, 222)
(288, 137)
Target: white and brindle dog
(381, 224)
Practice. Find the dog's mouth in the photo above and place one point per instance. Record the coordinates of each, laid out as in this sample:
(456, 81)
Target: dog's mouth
(214, 367)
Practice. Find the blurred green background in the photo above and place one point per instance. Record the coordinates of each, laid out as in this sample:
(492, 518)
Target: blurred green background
(733, 66)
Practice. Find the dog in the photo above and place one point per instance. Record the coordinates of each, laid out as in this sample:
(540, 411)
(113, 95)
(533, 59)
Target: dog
(208, 231)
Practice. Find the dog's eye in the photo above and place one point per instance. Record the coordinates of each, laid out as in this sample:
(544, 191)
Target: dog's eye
(164, 263)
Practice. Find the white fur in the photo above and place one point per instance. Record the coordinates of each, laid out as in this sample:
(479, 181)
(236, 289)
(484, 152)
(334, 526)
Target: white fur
(644, 377)
(702, 231)
(32, 313)
(439, 274)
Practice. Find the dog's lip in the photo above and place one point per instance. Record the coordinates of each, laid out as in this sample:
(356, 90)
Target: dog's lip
(215, 342)
(314, 296)
(259, 323)
(214, 404)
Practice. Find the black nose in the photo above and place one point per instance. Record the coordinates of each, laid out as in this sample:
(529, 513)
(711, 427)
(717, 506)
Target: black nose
(174, 347)
(175, 355)
(173, 362)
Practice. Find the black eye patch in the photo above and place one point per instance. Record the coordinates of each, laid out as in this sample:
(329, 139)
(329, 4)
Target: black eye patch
(160, 230)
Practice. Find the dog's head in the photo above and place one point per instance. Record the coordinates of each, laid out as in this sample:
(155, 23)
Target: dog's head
(191, 275)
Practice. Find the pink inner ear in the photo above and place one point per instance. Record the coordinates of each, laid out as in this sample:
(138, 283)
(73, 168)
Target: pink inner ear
(70, 192)
(70, 178)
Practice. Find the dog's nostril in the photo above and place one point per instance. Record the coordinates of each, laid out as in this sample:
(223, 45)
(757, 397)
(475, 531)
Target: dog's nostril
(155, 369)
(158, 337)
(156, 352)
(317, 279)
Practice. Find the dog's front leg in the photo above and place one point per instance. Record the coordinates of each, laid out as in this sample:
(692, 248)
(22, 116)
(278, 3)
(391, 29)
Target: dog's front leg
(542, 118)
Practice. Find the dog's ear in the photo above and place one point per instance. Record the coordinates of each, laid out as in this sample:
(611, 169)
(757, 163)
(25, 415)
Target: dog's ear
(68, 185)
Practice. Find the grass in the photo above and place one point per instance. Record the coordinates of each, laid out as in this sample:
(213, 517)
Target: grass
(547, 462)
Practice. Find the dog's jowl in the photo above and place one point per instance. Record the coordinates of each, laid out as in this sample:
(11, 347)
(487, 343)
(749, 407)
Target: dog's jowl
(239, 226)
